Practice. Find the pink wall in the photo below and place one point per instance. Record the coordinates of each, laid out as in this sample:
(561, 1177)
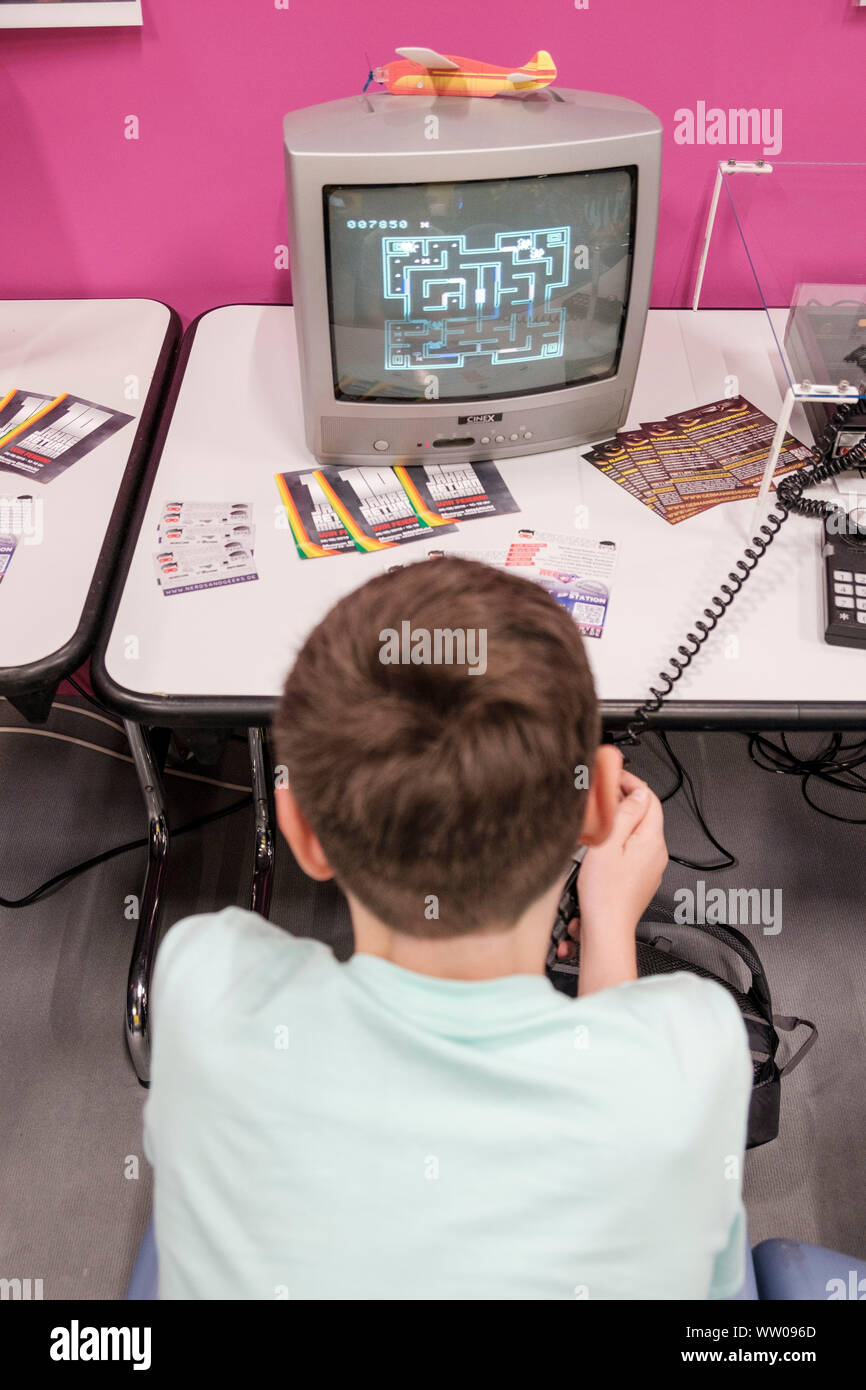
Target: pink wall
(191, 211)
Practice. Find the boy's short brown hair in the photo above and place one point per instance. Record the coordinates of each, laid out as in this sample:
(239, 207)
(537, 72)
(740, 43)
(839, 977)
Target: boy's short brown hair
(447, 799)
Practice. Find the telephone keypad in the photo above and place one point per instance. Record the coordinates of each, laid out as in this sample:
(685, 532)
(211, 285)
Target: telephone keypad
(844, 587)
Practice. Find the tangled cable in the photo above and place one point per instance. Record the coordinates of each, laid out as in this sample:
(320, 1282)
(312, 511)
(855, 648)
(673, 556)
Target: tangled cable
(834, 765)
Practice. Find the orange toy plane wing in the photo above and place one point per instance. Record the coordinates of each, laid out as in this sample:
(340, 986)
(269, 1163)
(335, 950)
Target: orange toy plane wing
(424, 72)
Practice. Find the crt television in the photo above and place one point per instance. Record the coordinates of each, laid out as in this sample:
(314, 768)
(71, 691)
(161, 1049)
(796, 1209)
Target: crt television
(470, 275)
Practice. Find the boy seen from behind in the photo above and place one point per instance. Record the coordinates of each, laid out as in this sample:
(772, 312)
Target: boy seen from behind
(432, 1119)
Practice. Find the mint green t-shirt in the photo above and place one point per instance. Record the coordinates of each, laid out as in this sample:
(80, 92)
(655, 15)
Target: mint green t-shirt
(359, 1131)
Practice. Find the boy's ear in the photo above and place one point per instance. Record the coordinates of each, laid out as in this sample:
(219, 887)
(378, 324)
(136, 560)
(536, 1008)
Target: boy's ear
(603, 795)
(301, 839)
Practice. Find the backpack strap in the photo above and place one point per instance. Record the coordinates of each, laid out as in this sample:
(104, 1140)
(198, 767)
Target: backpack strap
(787, 1023)
(741, 946)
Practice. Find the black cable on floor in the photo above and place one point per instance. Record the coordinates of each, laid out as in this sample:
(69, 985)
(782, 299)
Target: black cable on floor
(68, 874)
(92, 700)
(684, 783)
(835, 765)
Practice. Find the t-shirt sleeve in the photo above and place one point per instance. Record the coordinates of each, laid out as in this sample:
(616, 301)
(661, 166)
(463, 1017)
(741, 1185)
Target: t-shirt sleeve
(724, 1072)
(186, 981)
(699, 1075)
(201, 968)
(729, 1269)
(734, 1077)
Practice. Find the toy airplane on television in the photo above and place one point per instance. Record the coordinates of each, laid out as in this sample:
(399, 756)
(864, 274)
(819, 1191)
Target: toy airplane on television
(422, 72)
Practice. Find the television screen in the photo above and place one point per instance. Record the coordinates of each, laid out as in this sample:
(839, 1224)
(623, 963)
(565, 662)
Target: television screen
(457, 291)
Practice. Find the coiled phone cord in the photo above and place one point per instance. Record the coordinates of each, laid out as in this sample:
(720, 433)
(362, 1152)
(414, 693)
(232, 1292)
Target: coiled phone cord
(789, 498)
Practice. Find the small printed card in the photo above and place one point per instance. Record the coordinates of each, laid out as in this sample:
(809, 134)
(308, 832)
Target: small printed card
(205, 514)
(576, 570)
(204, 545)
(173, 533)
(7, 550)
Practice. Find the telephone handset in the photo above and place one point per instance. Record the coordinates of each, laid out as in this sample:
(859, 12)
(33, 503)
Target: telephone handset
(844, 555)
(567, 911)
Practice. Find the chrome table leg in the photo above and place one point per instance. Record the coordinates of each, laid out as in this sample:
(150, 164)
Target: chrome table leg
(147, 936)
(261, 773)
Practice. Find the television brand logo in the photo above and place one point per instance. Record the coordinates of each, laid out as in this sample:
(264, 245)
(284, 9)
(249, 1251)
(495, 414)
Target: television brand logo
(736, 126)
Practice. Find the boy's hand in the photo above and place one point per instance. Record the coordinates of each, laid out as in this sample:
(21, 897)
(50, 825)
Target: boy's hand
(619, 878)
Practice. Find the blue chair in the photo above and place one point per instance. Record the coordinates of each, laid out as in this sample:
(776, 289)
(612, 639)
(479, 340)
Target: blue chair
(749, 1292)
(776, 1271)
(788, 1270)
(143, 1284)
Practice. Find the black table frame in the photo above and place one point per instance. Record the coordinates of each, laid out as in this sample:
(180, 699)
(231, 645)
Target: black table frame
(31, 688)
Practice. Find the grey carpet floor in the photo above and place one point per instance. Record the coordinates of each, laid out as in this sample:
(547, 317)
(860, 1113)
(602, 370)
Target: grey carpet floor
(74, 1184)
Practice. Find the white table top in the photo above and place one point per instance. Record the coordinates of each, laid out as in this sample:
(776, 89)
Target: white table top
(237, 422)
(102, 350)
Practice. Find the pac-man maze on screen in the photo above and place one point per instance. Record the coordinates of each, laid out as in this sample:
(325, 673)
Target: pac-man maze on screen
(461, 303)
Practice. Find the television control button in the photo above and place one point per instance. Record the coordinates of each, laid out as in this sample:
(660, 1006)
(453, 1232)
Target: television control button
(843, 588)
(500, 439)
(380, 445)
(514, 436)
(527, 434)
(844, 603)
(485, 439)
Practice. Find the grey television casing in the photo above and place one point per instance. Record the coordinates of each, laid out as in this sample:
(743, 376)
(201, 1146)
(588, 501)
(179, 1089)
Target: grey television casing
(382, 140)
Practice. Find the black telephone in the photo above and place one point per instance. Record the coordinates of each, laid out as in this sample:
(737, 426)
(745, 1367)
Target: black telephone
(566, 912)
(845, 539)
(844, 553)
